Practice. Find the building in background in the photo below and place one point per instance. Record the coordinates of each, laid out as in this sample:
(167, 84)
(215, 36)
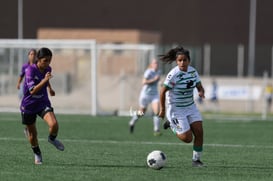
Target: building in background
(224, 25)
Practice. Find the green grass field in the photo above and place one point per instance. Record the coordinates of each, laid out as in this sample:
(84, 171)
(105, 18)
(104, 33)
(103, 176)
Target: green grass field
(101, 148)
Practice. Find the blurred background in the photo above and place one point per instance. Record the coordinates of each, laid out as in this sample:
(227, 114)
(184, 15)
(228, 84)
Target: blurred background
(102, 48)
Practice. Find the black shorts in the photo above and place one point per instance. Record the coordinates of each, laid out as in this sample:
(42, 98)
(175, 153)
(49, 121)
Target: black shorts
(29, 119)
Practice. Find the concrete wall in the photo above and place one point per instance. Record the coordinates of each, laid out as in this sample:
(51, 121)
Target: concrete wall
(101, 35)
(112, 90)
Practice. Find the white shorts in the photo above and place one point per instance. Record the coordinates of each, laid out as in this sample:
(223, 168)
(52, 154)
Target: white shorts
(145, 100)
(181, 118)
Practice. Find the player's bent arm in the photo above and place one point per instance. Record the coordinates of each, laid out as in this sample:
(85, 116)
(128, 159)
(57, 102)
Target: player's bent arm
(51, 91)
(150, 81)
(162, 98)
(49, 85)
(38, 87)
(43, 83)
(19, 82)
(201, 90)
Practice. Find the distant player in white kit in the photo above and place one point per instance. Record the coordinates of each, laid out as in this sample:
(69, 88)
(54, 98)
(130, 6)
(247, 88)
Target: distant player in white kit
(149, 95)
(183, 117)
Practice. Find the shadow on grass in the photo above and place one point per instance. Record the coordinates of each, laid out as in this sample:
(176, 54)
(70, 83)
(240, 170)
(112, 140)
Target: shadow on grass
(241, 167)
(98, 165)
(104, 165)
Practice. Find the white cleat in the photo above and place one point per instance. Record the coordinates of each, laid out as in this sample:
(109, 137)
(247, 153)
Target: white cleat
(198, 163)
(136, 112)
(38, 159)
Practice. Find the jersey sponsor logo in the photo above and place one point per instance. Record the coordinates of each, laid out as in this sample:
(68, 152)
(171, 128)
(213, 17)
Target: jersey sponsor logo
(190, 84)
(180, 76)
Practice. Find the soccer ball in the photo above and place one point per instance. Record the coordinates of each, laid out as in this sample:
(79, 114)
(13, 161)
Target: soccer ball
(156, 159)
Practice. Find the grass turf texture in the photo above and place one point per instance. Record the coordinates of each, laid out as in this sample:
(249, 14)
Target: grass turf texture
(101, 148)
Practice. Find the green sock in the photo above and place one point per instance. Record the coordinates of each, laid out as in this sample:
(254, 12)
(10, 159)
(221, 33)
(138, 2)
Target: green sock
(198, 148)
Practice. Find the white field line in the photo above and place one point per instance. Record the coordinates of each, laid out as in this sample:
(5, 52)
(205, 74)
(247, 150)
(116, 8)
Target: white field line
(236, 118)
(142, 143)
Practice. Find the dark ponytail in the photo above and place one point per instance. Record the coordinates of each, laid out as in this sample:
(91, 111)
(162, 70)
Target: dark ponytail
(171, 55)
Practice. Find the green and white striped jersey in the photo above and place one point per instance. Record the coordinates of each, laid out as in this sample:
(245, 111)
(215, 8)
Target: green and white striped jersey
(181, 86)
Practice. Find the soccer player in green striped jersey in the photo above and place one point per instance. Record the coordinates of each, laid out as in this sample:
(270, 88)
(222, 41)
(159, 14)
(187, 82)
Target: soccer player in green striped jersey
(177, 102)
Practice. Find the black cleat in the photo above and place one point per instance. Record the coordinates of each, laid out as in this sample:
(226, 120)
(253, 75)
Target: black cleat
(166, 124)
(198, 163)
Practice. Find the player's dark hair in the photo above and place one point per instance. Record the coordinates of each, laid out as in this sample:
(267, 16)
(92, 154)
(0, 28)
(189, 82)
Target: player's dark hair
(32, 50)
(171, 55)
(44, 52)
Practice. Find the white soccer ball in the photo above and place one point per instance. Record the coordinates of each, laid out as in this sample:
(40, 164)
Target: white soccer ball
(156, 159)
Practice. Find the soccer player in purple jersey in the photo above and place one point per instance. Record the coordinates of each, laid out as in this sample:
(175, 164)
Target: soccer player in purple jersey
(31, 60)
(36, 102)
(32, 53)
